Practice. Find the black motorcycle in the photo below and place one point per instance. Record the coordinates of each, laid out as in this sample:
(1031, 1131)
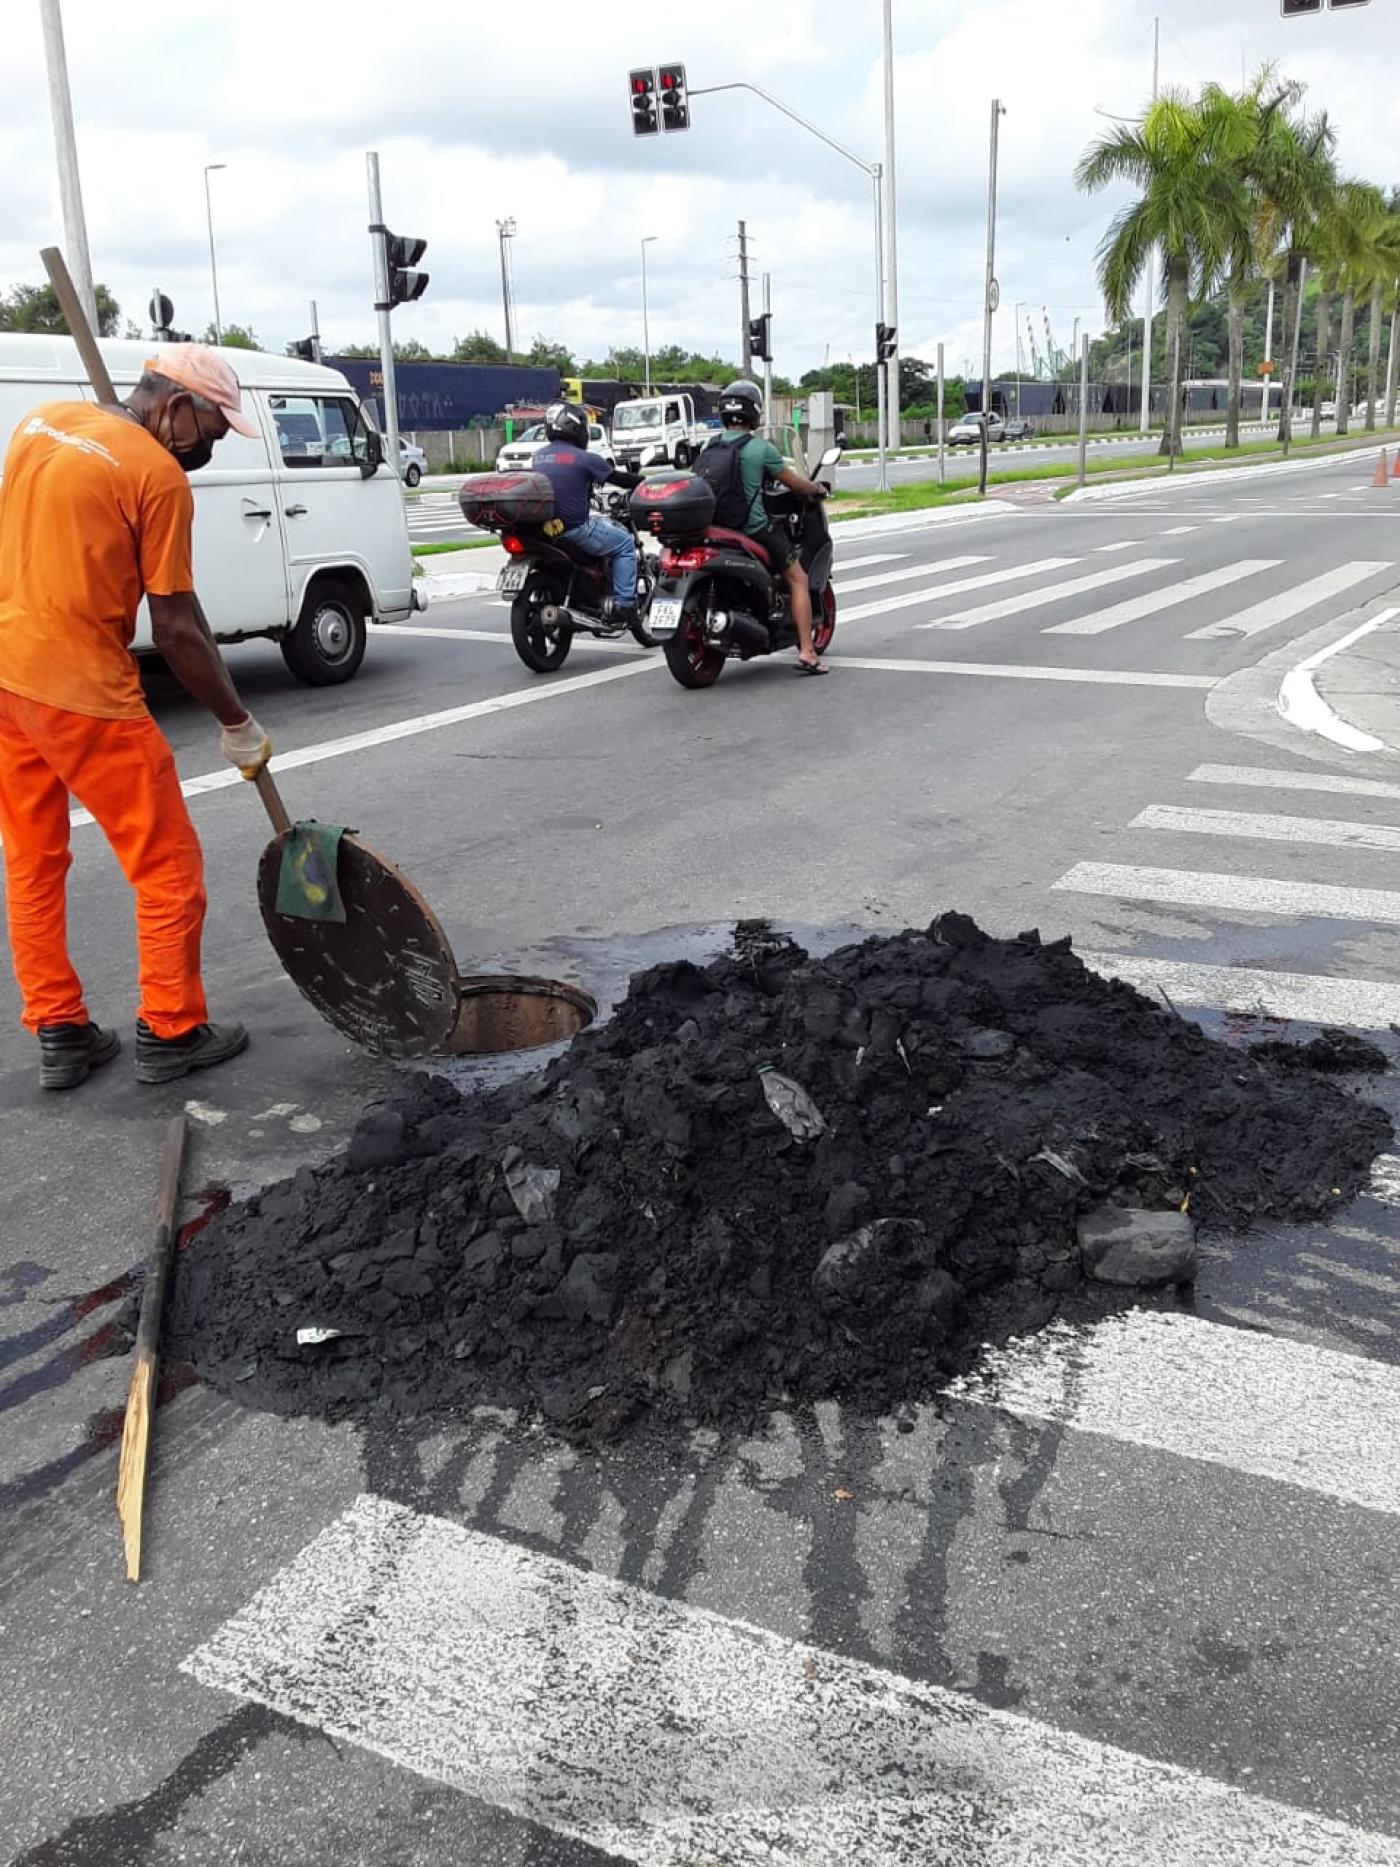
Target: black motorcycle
(717, 596)
(555, 590)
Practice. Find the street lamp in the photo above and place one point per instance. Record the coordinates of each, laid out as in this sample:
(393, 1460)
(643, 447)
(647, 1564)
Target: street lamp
(646, 326)
(209, 169)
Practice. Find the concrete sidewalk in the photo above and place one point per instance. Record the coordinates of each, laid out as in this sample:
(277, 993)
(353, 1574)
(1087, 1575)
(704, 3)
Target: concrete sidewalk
(1361, 683)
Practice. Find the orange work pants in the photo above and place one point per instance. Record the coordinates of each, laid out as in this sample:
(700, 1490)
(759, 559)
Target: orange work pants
(123, 772)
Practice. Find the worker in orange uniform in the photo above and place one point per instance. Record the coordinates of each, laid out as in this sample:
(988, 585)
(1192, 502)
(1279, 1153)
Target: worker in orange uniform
(95, 512)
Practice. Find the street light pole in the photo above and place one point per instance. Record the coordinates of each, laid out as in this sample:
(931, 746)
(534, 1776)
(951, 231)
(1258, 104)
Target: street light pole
(875, 172)
(1151, 294)
(505, 230)
(646, 322)
(70, 187)
(989, 306)
(891, 253)
(209, 168)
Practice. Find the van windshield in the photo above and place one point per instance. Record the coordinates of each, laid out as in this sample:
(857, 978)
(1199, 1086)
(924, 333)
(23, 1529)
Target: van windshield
(636, 415)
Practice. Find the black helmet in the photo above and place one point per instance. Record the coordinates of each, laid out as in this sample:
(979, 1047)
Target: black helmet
(565, 422)
(741, 405)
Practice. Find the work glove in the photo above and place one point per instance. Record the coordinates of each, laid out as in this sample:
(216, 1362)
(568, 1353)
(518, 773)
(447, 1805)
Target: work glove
(246, 745)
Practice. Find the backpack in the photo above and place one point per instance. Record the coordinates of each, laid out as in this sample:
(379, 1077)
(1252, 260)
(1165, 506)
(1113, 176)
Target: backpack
(718, 466)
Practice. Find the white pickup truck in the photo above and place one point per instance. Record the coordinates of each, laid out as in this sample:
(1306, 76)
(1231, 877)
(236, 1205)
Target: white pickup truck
(664, 421)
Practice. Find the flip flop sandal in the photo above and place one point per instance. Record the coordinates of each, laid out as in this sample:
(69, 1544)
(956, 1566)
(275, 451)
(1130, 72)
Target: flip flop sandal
(811, 667)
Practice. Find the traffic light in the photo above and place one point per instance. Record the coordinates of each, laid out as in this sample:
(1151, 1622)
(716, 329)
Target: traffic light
(643, 88)
(1292, 8)
(675, 99)
(307, 348)
(761, 337)
(1339, 3)
(403, 255)
(885, 345)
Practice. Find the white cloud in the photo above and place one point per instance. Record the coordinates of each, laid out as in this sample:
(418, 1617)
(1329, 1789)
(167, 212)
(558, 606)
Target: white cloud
(480, 113)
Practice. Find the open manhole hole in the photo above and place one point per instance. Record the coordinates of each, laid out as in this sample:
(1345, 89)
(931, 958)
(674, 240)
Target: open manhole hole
(513, 1011)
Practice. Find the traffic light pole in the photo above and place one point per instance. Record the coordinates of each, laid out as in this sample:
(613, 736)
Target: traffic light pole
(382, 302)
(874, 171)
(768, 360)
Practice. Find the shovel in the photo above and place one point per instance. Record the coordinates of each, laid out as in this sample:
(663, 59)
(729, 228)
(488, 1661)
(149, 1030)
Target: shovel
(352, 932)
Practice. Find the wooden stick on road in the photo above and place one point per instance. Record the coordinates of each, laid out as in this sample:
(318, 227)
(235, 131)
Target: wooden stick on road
(141, 1397)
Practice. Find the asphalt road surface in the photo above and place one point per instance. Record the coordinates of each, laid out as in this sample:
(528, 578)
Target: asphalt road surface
(1130, 1599)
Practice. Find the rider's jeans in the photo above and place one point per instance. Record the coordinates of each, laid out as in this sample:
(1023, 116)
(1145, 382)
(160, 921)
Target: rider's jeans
(600, 538)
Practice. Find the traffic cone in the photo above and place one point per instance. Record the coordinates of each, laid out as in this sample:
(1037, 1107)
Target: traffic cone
(1395, 470)
(1382, 476)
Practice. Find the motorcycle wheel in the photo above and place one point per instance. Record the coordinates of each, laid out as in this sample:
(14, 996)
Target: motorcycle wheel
(824, 623)
(542, 650)
(693, 661)
(646, 586)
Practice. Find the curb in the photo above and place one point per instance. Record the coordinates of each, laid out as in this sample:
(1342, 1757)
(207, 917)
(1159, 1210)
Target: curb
(1122, 489)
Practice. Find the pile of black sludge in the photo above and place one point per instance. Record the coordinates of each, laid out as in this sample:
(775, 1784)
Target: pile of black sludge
(636, 1231)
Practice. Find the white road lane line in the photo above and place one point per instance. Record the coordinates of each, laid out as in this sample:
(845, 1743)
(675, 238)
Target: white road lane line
(500, 637)
(845, 585)
(935, 593)
(1303, 706)
(1311, 998)
(1330, 832)
(1292, 602)
(670, 1736)
(1049, 593)
(1277, 1409)
(1124, 544)
(999, 671)
(394, 730)
(1265, 778)
(1135, 608)
(1179, 531)
(871, 557)
(1238, 894)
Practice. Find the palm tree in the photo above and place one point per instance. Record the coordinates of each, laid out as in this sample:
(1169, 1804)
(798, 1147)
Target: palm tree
(1353, 227)
(1296, 180)
(1177, 157)
(1236, 127)
(1384, 268)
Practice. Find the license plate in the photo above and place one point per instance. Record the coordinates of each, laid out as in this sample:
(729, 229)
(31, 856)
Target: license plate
(663, 618)
(513, 577)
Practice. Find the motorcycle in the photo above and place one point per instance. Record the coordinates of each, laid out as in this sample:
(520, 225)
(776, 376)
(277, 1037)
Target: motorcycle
(717, 597)
(555, 590)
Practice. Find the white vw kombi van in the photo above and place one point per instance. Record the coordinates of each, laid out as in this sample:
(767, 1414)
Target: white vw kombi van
(299, 535)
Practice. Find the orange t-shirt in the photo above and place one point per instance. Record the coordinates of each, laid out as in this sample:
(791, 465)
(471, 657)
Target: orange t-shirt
(94, 513)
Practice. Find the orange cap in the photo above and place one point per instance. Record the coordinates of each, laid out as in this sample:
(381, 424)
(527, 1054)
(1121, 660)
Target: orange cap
(204, 372)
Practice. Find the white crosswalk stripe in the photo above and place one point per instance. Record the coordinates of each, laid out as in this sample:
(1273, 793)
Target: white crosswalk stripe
(1049, 593)
(668, 1735)
(1330, 832)
(911, 599)
(1268, 778)
(1310, 998)
(1238, 894)
(845, 585)
(1133, 609)
(1292, 602)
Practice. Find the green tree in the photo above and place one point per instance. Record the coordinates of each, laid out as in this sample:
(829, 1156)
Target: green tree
(1176, 157)
(545, 354)
(235, 337)
(35, 308)
(478, 347)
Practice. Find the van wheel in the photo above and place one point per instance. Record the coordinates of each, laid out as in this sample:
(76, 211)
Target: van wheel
(412, 473)
(327, 644)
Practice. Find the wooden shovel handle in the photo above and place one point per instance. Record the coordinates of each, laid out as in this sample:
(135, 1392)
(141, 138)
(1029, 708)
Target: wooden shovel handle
(272, 802)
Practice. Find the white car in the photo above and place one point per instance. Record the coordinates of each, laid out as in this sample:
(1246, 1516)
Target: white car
(967, 432)
(516, 455)
(413, 462)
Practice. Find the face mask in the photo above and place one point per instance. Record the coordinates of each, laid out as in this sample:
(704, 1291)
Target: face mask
(177, 428)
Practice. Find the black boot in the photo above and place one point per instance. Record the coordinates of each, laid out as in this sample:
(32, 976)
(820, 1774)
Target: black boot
(166, 1059)
(69, 1053)
(619, 616)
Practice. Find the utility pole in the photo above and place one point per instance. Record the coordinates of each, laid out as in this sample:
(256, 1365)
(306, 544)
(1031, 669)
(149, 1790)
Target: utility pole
(315, 333)
(990, 295)
(70, 187)
(891, 257)
(505, 230)
(647, 240)
(1151, 294)
(1084, 412)
(942, 464)
(1290, 375)
(383, 300)
(209, 169)
(746, 340)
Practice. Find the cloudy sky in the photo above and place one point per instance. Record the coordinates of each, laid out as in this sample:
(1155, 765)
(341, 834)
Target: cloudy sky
(482, 111)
